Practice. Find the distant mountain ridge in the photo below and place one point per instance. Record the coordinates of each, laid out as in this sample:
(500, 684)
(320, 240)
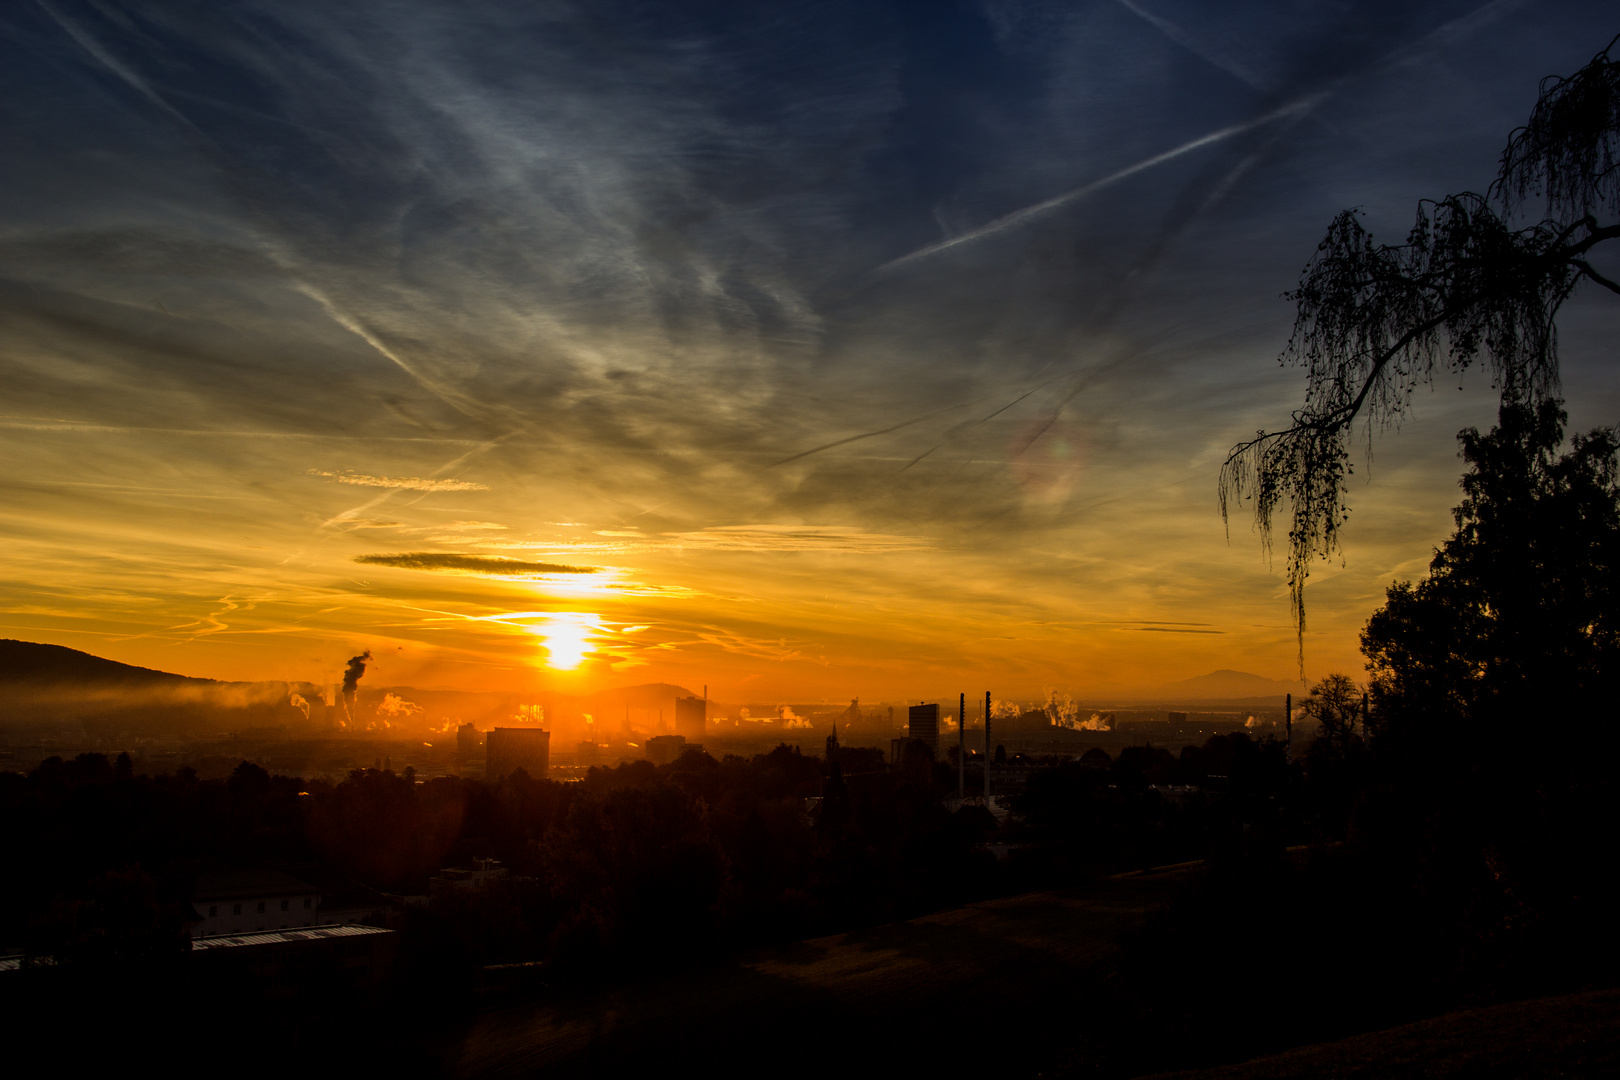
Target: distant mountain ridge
(51, 685)
(34, 662)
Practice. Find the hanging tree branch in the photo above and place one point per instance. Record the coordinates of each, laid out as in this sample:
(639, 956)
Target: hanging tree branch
(1374, 322)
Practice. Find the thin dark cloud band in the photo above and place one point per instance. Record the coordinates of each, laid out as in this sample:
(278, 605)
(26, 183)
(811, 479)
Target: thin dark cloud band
(471, 564)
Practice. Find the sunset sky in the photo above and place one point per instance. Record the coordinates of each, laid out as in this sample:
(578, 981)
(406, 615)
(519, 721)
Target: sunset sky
(800, 350)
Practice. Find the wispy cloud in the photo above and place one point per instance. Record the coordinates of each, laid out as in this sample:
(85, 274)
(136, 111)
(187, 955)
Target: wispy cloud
(795, 538)
(779, 650)
(402, 483)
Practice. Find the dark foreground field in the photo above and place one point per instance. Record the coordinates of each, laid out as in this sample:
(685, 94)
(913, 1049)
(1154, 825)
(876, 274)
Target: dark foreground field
(1016, 987)
(1010, 987)
(1571, 1037)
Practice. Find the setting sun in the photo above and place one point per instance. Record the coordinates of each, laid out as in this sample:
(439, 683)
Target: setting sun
(569, 636)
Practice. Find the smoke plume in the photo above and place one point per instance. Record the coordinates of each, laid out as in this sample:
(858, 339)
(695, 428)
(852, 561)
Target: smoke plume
(394, 705)
(790, 719)
(351, 681)
(1061, 710)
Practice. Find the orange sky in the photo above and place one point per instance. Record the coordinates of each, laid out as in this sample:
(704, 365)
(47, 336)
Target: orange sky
(1106, 572)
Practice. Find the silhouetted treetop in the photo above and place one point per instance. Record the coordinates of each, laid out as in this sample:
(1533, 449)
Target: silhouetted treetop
(1568, 152)
(1374, 322)
(1521, 605)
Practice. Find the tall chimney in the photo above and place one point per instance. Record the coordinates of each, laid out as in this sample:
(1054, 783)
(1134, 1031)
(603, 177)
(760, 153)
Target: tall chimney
(961, 747)
(1288, 723)
(987, 752)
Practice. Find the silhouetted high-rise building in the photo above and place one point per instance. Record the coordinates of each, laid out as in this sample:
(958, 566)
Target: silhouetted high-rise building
(925, 726)
(691, 718)
(467, 739)
(510, 749)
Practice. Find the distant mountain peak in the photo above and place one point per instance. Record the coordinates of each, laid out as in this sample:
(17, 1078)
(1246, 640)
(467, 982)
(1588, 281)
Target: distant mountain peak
(1227, 683)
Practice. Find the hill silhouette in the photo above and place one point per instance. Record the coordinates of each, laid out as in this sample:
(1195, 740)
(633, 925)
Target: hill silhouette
(35, 663)
(51, 686)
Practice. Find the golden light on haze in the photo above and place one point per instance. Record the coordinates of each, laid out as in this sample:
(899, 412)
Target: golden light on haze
(569, 636)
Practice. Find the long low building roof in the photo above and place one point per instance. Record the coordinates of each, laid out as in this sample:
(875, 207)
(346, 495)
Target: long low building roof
(284, 937)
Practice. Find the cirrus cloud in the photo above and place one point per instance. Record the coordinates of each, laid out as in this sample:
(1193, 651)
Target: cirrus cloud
(405, 483)
(795, 538)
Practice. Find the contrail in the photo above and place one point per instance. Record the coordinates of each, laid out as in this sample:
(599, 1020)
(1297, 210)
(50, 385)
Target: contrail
(89, 44)
(372, 504)
(1186, 41)
(1019, 217)
(460, 402)
(456, 400)
(864, 435)
(1441, 36)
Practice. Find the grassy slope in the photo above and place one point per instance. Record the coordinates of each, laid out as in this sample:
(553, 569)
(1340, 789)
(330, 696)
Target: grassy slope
(1574, 1036)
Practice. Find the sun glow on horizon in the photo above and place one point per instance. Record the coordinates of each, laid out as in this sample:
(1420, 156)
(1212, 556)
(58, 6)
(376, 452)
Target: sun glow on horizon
(569, 636)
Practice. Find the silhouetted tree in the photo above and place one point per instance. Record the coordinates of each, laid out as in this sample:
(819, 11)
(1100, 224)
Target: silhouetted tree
(1520, 613)
(1512, 637)
(1335, 704)
(1376, 321)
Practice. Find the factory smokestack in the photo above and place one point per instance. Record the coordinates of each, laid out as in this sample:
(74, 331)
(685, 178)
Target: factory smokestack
(351, 681)
(961, 747)
(987, 749)
(1288, 722)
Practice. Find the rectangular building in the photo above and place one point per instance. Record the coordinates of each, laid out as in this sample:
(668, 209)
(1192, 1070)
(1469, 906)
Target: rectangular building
(663, 749)
(691, 718)
(925, 726)
(509, 749)
(248, 901)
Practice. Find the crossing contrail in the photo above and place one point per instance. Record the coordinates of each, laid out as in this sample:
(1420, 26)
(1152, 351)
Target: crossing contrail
(1028, 213)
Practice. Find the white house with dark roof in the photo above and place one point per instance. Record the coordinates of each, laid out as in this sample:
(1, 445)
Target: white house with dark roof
(249, 901)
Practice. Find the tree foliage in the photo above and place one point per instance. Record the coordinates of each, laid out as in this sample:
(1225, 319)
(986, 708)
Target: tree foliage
(1520, 613)
(1335, 704)
(1493, 702)
(1374, 322)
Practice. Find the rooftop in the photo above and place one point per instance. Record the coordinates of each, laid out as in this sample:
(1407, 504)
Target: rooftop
(280, 937)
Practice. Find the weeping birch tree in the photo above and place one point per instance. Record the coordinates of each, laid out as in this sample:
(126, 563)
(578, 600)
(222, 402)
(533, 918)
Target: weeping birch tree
(1479, 280)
